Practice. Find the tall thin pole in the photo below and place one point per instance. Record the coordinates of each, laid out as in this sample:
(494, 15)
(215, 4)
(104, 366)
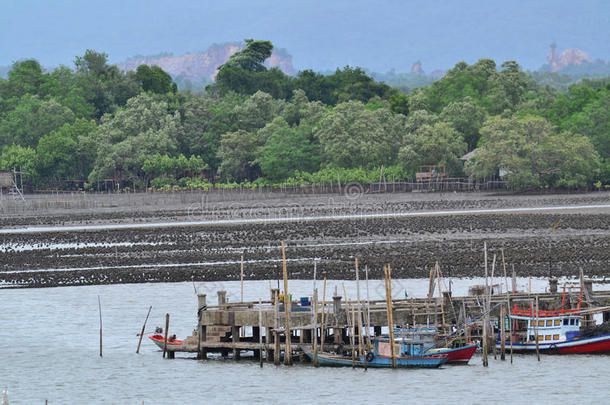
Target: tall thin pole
(348, 314)
(486, 317)
(323, 329)
(368, 309)
(288, 352)
(314, 317)
(260, 332)
(388, 295)
(165, 338)
(510, 320)
(241, 277)
(536, 334)
(143, 327)
(99, 304)
(359, 314)
(440, 294)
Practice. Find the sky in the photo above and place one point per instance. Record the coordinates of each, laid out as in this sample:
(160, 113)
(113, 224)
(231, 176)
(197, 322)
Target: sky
(379, 35)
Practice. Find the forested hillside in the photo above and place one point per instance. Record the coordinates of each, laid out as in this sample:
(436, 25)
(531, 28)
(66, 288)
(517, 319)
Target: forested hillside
(82, 126)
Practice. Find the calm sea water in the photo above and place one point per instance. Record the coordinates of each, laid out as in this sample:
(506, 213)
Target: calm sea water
(49, 349)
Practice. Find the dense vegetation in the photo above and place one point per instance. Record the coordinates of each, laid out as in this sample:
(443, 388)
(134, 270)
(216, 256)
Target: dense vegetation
(253, 125)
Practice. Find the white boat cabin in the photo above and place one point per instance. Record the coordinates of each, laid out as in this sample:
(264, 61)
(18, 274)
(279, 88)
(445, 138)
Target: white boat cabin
(550, 327)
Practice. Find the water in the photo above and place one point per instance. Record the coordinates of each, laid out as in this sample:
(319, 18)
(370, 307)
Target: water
(49, 349)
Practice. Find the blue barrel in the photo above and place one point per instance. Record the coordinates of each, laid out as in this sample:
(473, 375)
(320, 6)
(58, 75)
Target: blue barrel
(304, 301)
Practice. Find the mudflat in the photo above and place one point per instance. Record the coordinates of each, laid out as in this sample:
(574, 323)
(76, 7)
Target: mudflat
(202, 236)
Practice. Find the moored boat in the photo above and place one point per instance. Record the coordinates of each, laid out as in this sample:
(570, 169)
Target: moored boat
(557, 332)
(428, 336)
(381, 357)
(159, 340)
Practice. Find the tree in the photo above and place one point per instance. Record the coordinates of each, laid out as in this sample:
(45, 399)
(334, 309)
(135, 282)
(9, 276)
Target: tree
(20, 158)
(529, 153)
(287, 151)
(155, 79)
(31, 119)
(238, 153)
(436, 144)
(126, 139)
(467, 118)
(351, 136)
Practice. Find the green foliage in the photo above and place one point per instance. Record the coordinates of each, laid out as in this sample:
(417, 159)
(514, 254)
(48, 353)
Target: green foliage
(31, 119)
(351, 136)
(125, 140)
(529, 153)
(20, 158)
(155, 79)
(437, 144)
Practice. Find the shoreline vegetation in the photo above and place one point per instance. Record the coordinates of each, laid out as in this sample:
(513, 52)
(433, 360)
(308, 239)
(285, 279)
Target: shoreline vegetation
(95, 128)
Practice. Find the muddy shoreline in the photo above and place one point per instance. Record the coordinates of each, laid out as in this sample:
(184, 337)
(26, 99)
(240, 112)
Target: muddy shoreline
(212, 252)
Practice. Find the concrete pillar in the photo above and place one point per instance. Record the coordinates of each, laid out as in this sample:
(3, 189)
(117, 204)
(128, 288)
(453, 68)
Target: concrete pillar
(553, 285)
(235, 333)
(203, 352)
(222, 297)
(337, 336)
(589, 286)
(336, 305)
(201, 302)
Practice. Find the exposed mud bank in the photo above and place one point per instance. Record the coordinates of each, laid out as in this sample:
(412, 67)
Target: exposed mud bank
(411, 245)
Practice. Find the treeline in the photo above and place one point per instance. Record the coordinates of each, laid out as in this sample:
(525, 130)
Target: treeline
(258, 126)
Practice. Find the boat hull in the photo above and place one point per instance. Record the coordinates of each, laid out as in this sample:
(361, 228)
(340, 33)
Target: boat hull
(594, 344)
(431, 361)
(160, 341)
(459, 355)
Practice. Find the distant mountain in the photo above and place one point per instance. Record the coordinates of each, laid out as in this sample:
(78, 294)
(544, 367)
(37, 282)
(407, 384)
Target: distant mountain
(201, 67)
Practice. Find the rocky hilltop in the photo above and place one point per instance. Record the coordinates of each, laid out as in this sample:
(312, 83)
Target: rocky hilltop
(195, 67)
(558, 61)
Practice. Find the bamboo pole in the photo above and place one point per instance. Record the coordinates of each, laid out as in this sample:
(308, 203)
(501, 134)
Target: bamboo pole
(493, 268)
(260, 332)
(276, 335)
(510, 321)
(536, 334)
(99, 304)
(388, 292)
(287, 304)
(440, 294)
(348, 314)
(142, 333)
(241, 277)
(314, 331)
(165, 337)
(359, 313)
(486, 317)
(323, 330)
(502, 333)
(368, 310)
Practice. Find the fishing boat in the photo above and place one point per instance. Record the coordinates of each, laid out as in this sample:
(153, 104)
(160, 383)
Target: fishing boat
(159, 340)
(407, 355)
(557, 332)
(429, 338)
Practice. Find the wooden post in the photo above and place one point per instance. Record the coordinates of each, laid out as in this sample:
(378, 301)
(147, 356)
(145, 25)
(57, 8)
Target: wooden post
(287, 305)
(491, 287)
(314, 331)
(260, 331)
(323, 330)
(502, 333)
(536, 335)
(142, 333)
(241, 277)
(510, 321)
(388, 293)
(440, 294)
(276, 335)
(486, 317)
(165, 337)
(99, 303)
(349, 316)
(368, 310)
(359, 314)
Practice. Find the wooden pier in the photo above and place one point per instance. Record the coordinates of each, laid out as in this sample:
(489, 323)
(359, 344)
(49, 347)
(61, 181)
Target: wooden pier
(261, 329)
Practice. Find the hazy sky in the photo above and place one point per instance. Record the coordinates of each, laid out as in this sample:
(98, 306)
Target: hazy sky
(374, 34)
